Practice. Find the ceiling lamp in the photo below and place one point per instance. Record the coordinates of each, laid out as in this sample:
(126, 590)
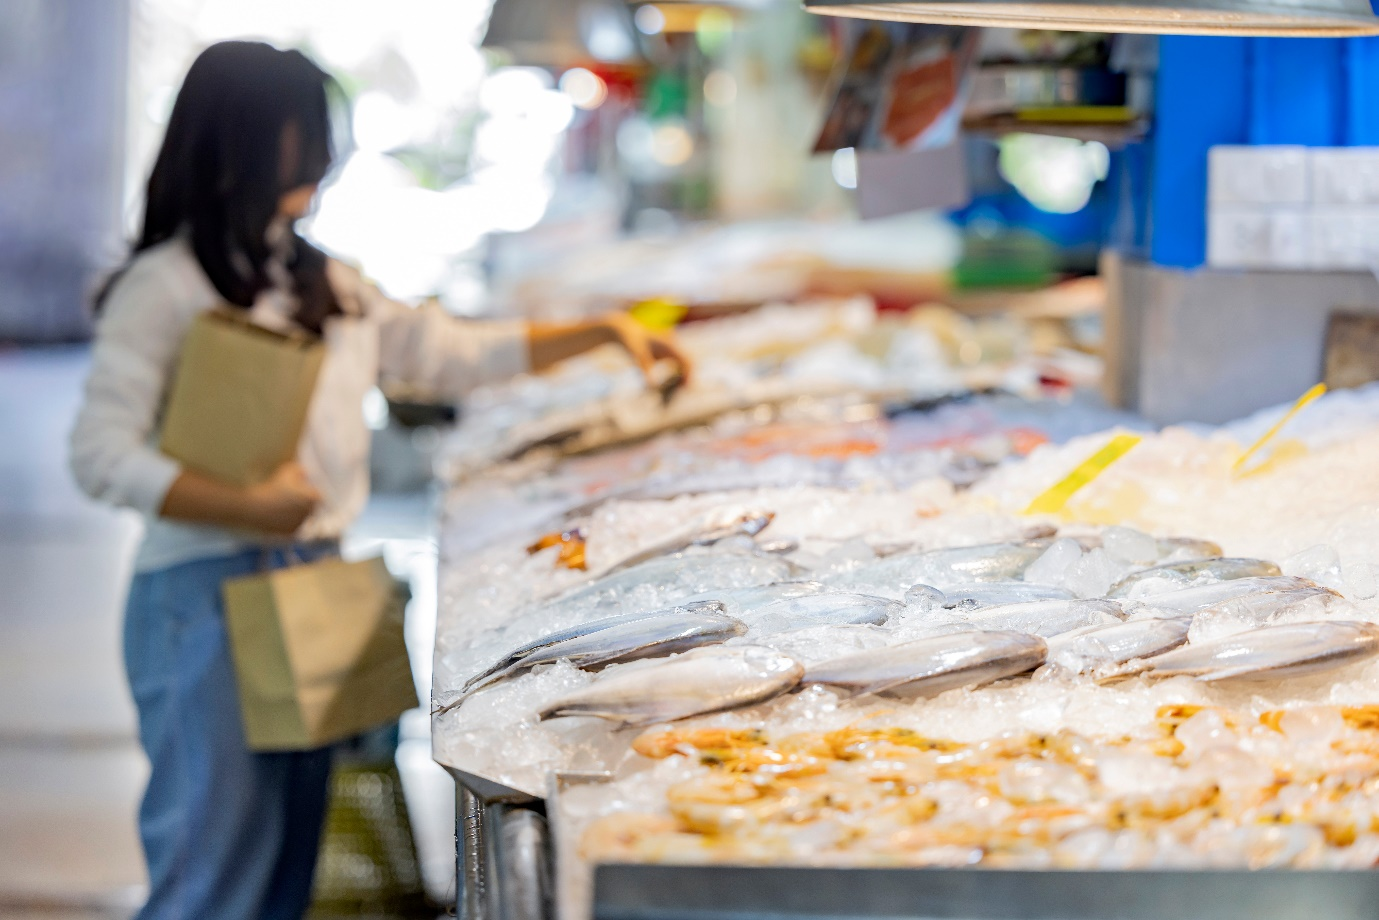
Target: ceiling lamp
(563, 33)
(1307, 18)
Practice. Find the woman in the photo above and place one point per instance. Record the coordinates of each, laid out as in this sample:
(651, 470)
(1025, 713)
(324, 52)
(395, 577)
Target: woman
(226, 832)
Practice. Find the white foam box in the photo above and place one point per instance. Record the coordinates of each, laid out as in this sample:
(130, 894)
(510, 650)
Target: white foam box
(1345, 176)
(1257, 237)
(1258, 175)
(1345, 238)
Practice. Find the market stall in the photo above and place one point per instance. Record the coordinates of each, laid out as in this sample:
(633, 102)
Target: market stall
(899, 625)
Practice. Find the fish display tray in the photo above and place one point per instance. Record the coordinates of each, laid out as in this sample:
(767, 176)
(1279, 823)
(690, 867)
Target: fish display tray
(647, 892)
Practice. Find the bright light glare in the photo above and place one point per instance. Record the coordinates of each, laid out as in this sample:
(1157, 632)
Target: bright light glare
(720, 88)
(845, 167)
(1056, 174)
(585, 89)
(510, 89)
(380, 124)
(671, 144)
(606, 35)
(649, 19)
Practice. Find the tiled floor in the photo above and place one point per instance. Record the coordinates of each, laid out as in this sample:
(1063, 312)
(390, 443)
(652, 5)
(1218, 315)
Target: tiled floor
(70, 771)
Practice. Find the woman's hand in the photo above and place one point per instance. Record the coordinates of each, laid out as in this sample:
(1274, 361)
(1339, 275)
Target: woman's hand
(276, 506)
(283, 502)
(647, 346)
(548, 343)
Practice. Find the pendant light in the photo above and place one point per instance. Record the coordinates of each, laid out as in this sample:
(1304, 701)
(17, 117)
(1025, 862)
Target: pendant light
(1305, 18)
(563, 33)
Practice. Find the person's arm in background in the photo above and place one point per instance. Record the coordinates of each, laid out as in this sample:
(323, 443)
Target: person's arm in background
(135, 351)
(549, 343)
(448, 357)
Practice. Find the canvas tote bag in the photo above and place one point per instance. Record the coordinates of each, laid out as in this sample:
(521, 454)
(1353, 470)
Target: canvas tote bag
(319, 652)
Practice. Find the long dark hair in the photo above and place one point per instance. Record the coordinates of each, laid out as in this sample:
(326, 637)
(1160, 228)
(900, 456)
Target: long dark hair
(250, 123)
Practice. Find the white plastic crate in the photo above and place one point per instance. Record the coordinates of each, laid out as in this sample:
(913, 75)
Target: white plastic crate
(1258, 175)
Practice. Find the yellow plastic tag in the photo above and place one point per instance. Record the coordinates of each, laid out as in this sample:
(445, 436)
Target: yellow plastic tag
(1053, 500)
(1307, 398)
(658, 313)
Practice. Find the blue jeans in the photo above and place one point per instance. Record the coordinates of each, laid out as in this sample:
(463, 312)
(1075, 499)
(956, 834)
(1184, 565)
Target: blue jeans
(228, 834)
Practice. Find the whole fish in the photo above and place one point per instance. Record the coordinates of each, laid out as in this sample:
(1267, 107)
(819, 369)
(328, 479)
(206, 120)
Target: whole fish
(1277, 588)
(585, 629)
(614, 639)
(1185, 572)
(698, 682)
(671, 579)
(1273, 652)
(1097, 647)
(743, 600)
(1048, 618)
(824, 610)
(993, 594)
(929, 666)
(712, 527)
(941, 568)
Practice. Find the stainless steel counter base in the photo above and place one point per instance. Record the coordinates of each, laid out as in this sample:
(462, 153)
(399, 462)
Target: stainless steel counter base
(502, 852)
(760, 893)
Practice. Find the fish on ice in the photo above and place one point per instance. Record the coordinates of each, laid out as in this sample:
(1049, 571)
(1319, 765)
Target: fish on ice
(1048, 618)
(716, 525)
(1096, 648)
(941, 568)
(1184, 573)
(702, 681)
(824, 610)
(996, 593)
(1272, 653)
(929, 666)
(615, 639)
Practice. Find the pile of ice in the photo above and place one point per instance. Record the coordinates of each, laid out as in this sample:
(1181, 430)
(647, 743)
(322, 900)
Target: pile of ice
(1315, 515)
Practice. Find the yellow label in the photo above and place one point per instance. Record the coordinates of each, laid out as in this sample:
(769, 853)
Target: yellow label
(1053, 500)
(658, 313)
(1303, 401)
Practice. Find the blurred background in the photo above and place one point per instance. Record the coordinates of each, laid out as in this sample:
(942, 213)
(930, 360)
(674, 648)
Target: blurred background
(546, 158)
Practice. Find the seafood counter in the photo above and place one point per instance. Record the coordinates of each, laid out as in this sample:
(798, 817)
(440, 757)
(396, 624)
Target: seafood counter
(826, 667)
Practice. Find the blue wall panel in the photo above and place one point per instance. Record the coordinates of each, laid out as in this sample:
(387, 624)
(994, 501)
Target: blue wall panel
(1297, 91)
(1361, 70)
(1210, 90)
(1201, 100)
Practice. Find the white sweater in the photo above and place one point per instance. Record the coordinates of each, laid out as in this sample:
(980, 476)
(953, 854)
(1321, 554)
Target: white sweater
(138, 339)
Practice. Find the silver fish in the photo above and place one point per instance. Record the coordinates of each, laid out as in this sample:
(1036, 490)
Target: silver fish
(585, 629)
(698, 682)
(1048, 618)
(824, 610)
(941, 568)
(1203, 597)
(929, 666)
(1185, 572)
(711, 528)
(671, 579)
(1097, 647)
(1291, 650)
(996, 593)
(615, 639)
(742, 600)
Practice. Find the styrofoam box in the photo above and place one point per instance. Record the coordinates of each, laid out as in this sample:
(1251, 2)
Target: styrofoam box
(1258, 175)
(1345, 238)
(1256, 237)
(1345, 176)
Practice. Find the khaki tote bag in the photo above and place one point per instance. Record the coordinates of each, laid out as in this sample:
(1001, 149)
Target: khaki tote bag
(319, 652)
